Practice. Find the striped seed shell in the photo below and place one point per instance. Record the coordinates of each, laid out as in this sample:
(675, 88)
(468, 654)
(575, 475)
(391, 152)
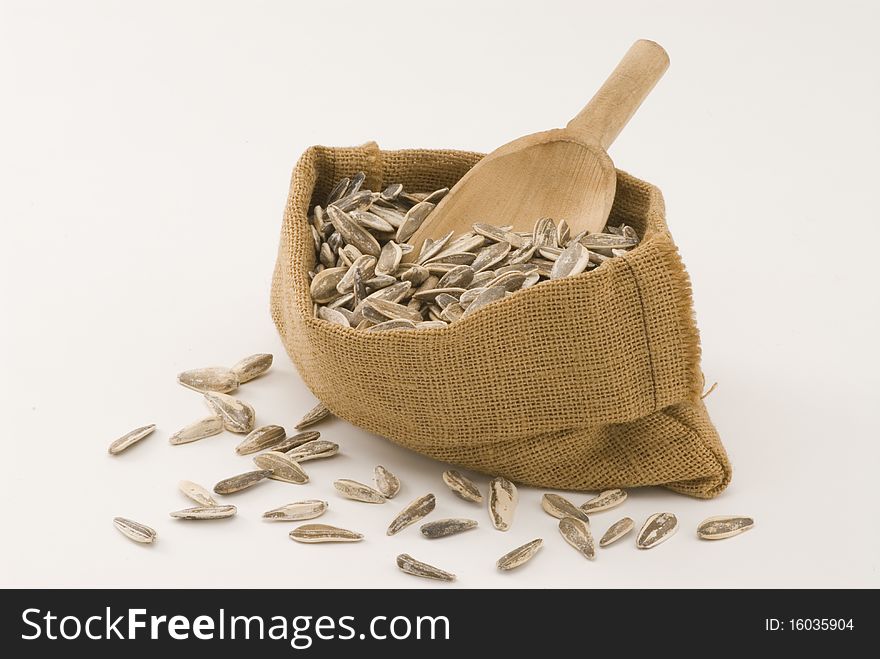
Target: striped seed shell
(409, 565)
(313, 416)
(135, 530)
(487, 296)
(213, 378)
(392, 325)
(560, 507)
(252, 366)
(282, 467)
(313, 533)
(389, 258)
(462, 486)
(352, 232)
(413, 220)
(576, 533)
(443, 528)
(313, 450)
(520, 555)
(571, 261)
(335, 316)
(499, 235)
(616, 531)
(607, 241)
(386, 482)
(197, 493)
(658, 528)
(207, 427)
(130, 438)
(724, 526)
(241, 482)
(323, 286)
(604, 501)
(415, 511)
(205, 512)
(490, 256)
(237, 415)
(299, 510)
(296, 440)
(503, 498)
(358, 491)
(261, 438)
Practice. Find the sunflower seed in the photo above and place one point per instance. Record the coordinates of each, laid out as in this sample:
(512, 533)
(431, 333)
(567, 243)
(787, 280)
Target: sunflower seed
(458, 277)
(205, 512)
(520, 555)
(365, 265)
(313, 416)
(212, 425)
(335, 316)
(360, 200)
(488, 296)
(392, 191)
(135, 530)
(394, 293)
(393, 325)
(463, 486)
(544, 234)
(431, 324)
(237, 415)
(296, 440)
(252, 366)
(299, 510)
(604, 501)
(607, 241)
(415, 511)
(389, 258)
(358, 491)
(616, 531)
(314, 450)
(282, 467)
(559, 507)
(371, 221)
(499, 235)
(312, 533)
(381, 310)
(502, 502)
(241, 481)
(261, 438)
(338, 191)
(436, 196)
(409, 565)
(413, 220)
(571, 261)
(214, 378)
(130, 438)
(355, 185)
(725, 526)
(386, 482)
(432, 250)
(563, 233)
(197, 493)
(576, 533)
(490, 256)
(446, 527)
(323, 286)
(657, 528)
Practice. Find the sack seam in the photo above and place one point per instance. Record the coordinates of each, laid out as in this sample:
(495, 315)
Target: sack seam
(635, 279)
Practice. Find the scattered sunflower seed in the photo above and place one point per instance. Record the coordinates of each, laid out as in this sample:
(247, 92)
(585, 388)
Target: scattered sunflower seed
(135, 530)
(197, 493)
(313, 416)
(446, 527)
(313, 450)
(241, 481)
(576, 533)
(724, 526)
(261, 438)
(205, 512)
(616, 531)
(463, 486)
(313, 533)
(560, 507)
(520, 555)
(502, 502)
(214, 378)
(237, 415)
(415, 511)
(207, 427)
(386, 482)
(299, 510)
(657, 528)
(604, 501)
(282, 467)
(358, 491)
(296, 440)
(409, 565)
(130, 438)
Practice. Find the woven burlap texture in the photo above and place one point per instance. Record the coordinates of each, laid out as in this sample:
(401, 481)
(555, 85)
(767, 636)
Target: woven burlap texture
(583, 383)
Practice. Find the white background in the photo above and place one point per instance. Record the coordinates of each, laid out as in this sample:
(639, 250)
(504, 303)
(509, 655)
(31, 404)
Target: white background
(145, 153)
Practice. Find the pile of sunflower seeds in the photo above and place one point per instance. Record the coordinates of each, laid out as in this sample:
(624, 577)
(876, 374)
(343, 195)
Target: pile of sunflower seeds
(279, 457)
(361, 279)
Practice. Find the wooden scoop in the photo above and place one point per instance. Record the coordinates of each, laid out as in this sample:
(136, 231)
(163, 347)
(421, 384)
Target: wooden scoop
(562, 173)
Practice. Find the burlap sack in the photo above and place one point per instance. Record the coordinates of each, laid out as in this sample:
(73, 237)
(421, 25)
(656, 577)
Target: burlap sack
(583, 383)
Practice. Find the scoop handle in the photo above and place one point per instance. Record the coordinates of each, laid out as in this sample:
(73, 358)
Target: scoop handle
(601, 121)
